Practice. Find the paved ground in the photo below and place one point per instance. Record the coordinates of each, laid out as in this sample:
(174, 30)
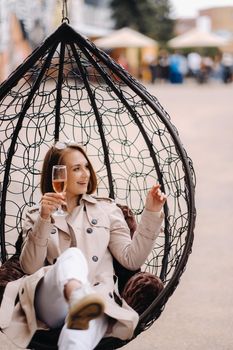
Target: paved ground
(199, 316)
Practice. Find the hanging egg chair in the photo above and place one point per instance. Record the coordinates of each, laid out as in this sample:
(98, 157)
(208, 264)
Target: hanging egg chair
(69, 89)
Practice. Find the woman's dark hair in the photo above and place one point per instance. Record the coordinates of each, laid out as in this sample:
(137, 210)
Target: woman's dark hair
(55, 156)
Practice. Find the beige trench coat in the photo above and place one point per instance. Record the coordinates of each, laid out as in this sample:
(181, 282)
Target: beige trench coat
(103, 233)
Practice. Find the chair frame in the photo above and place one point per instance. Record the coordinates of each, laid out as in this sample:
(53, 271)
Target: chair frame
(98, 59)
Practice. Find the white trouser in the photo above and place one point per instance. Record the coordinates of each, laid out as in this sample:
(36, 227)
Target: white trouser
(52, 307)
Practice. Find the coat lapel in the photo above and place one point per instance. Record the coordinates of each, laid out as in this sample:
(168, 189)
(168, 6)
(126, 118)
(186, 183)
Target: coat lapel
(61, 223)
(95, 217)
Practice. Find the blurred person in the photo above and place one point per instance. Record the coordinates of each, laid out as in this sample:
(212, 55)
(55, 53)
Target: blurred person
(205, 70)
(227, 65)
(217, 68)
(122, 60)
(153, 70)
(163, 65)
(194, 63)
(177, 68)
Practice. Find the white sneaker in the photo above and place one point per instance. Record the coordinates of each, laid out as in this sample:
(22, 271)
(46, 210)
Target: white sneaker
(85, 305)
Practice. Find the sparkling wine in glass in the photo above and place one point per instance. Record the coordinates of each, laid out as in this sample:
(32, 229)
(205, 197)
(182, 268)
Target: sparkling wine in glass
(59, 181)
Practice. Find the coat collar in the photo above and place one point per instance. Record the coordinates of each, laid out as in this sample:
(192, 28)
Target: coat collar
(96, 217)
(63, 222)
(88, 198)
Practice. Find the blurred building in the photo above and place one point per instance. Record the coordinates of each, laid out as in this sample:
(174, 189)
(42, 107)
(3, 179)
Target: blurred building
(91, 18)
(221, 18)
(220, 21)
(24, 24)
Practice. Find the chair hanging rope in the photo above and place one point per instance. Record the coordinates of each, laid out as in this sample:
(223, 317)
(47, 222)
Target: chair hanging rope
(65, 12)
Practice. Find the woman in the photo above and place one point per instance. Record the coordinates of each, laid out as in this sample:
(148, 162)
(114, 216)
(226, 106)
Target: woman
(69, 260)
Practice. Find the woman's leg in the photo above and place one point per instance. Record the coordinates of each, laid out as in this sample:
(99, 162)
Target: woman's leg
(72, 339)
(50, 304)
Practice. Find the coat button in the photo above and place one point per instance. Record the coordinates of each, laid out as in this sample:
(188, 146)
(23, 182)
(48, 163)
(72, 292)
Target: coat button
(95, 258)
(53, 231)
(94, 221)
(89, 230)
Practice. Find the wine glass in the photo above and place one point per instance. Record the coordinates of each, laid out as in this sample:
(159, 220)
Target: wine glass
(59, 181)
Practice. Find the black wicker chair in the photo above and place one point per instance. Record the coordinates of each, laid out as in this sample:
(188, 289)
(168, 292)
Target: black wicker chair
(68, 88)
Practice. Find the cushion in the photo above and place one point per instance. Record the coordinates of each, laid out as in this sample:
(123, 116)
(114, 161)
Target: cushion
(141, 290)
(9, 271)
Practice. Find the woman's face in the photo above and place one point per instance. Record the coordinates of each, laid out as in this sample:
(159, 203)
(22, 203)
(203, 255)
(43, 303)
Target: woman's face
(78, 173)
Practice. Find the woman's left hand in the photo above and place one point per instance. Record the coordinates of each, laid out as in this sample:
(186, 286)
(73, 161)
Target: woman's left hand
(155, 199)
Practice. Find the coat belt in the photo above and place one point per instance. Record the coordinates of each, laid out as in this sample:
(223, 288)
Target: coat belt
(8, 302)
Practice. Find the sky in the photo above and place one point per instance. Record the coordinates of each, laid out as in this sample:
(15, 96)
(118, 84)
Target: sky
(189, 8)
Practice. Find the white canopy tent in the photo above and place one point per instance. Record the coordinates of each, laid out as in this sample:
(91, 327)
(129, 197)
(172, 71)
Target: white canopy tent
(125, 37)
(197, 38)
(134, 46)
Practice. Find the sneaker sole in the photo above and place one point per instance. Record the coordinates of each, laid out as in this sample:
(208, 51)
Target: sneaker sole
(80, 314)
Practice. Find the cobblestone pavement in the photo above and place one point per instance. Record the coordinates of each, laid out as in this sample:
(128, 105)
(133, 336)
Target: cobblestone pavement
(199, 315)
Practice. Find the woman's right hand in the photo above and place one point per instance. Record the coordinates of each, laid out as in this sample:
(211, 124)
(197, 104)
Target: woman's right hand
(50, 202)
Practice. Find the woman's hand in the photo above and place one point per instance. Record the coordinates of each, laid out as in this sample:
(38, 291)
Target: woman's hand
(155, 199)
(50, 202)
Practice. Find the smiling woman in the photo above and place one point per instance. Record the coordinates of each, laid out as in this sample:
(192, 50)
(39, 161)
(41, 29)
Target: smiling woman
(81, 177)
(56, 155)
(75, 289)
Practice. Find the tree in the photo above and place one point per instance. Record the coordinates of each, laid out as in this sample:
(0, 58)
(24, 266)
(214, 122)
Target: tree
(150, 17)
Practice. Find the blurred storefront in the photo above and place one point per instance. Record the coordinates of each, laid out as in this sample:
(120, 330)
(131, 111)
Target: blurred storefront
(133, 50)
